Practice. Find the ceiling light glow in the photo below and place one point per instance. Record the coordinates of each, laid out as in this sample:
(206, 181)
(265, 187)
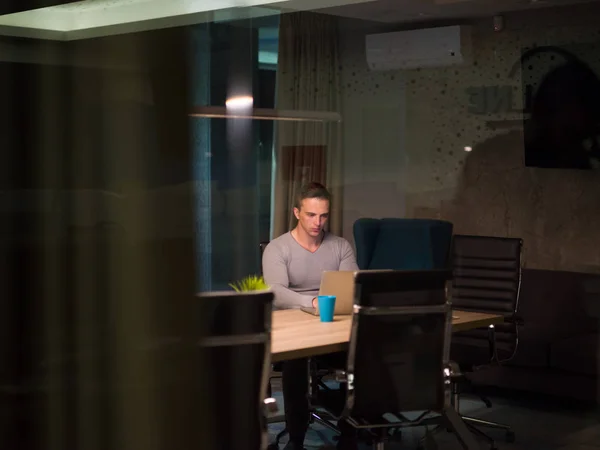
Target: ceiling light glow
(240, 102)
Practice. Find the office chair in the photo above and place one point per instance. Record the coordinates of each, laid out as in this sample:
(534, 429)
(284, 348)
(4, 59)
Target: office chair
(398, 356)
(402, 244)
(487, 278)
(238, 348)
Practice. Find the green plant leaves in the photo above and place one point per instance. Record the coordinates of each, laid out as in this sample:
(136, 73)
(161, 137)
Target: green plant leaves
(250, 283)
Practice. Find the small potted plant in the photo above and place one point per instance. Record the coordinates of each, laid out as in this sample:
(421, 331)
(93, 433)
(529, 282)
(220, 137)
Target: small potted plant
(250, 283)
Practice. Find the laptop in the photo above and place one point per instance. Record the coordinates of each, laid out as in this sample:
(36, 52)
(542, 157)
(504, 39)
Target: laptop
(340, 284)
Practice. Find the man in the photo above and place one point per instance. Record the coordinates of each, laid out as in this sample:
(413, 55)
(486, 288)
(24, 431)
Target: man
(292, 266)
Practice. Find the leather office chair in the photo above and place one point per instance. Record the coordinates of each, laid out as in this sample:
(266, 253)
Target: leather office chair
(398, 355)
(402, 244)
(487, 278)
(238, 348)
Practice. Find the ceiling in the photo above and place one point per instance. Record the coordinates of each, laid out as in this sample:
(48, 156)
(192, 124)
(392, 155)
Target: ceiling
(94, 18)
(398, 11)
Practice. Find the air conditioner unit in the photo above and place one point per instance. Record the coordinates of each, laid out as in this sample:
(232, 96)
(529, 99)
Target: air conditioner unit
(431, 47)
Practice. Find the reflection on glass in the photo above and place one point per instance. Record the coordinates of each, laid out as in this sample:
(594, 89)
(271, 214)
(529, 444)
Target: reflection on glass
(146, 160)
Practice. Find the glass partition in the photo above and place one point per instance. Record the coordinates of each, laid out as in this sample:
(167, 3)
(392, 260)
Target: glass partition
(148, 149)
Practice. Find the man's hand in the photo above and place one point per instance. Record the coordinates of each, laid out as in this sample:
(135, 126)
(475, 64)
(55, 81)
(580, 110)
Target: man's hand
(315, 302)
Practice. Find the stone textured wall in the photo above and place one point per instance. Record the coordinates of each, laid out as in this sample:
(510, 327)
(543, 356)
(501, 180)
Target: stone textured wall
(487, 191)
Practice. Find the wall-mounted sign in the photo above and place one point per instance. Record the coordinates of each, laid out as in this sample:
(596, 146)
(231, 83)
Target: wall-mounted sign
(562, 100)
(499, 99)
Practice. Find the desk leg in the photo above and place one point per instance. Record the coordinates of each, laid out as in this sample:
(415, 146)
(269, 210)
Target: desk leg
(463, 434)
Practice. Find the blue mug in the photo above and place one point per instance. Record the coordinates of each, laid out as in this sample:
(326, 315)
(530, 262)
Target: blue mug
(326, 307)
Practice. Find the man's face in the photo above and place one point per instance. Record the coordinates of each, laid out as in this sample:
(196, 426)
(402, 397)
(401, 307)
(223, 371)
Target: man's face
(312, 215)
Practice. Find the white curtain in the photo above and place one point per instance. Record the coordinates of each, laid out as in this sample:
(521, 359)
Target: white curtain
(307, 80)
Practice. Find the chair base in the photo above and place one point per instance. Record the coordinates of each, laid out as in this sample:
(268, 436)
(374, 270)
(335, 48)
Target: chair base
(315, 417)
(320, 418)
(455, 423)
(472, 424)
(451, 421)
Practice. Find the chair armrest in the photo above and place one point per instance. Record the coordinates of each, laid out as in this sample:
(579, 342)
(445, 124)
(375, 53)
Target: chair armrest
(452, 370)
(515, 319)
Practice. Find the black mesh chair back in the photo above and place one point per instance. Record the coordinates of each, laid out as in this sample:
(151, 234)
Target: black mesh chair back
(399, 343)
(487, 278)
(238, 348)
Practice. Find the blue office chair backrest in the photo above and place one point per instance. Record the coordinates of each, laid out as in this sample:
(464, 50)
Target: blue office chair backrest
(402, 244)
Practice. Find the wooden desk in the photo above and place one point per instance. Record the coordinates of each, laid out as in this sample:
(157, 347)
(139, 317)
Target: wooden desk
(297, 334)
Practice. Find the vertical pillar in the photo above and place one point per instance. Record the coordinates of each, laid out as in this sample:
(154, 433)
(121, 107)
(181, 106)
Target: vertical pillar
(234, 142)
(201, 152)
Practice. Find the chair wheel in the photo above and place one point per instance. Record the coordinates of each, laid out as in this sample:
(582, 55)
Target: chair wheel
(510, 436)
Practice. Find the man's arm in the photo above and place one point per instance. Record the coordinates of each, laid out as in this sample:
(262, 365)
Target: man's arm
(348, 260)
(276, 276)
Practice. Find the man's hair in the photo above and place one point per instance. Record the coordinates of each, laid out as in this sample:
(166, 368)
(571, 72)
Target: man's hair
(312, 190)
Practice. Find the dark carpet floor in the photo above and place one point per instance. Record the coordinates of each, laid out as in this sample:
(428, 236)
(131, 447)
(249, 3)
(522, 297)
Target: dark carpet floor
(539, 424)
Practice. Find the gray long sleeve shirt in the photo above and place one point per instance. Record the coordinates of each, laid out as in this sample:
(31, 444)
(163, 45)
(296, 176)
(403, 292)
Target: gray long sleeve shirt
(294, 273)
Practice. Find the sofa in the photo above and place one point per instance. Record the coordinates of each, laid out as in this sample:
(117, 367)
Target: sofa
(558, 352)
